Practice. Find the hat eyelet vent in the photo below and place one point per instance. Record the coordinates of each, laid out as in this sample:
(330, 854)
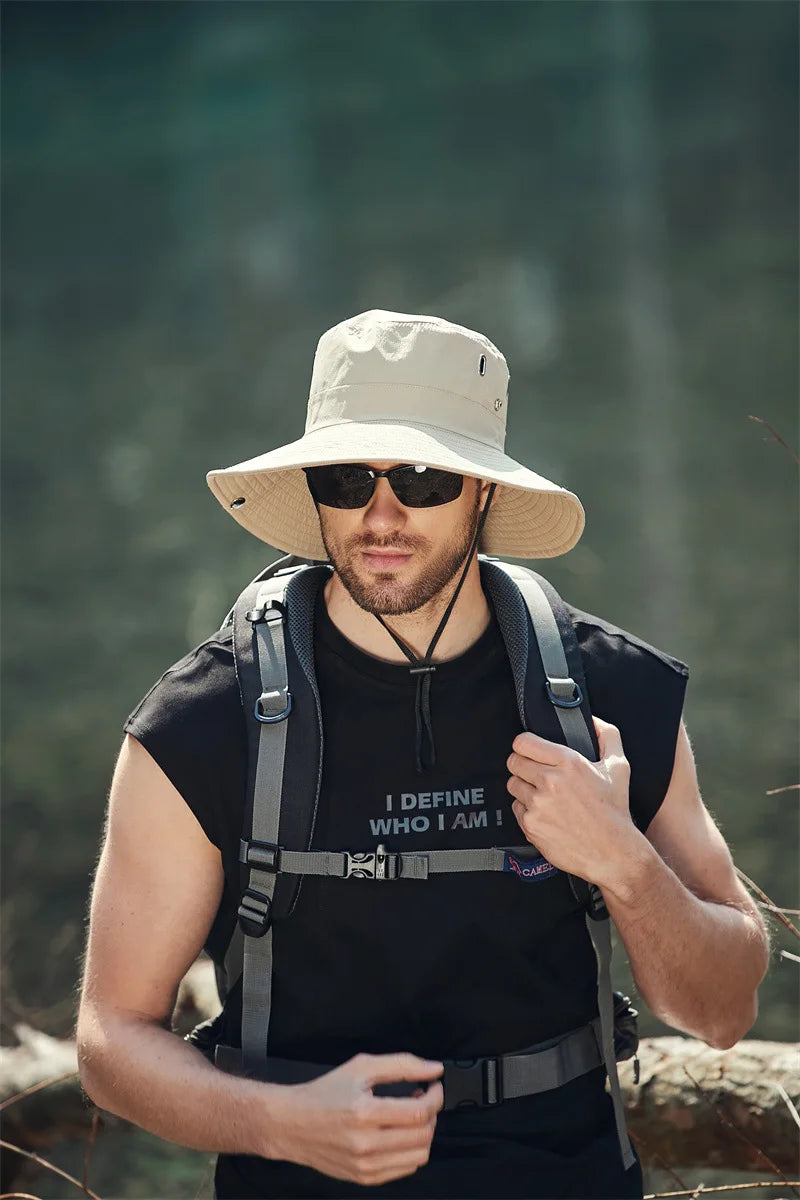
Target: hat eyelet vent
(498, 404)
(237, 503)
(482, 365)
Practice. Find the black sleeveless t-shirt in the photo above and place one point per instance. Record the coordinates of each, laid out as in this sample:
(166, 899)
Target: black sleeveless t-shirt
(452, 967)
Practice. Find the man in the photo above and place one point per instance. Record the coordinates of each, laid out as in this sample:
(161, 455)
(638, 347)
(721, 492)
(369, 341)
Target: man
(400, 475)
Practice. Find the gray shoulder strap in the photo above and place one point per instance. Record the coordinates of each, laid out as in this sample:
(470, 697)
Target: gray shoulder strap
(566, 696)
(262, 607)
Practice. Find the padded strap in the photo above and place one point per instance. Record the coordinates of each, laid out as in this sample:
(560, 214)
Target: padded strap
(566, 696)
(271, 710)
(563, 691)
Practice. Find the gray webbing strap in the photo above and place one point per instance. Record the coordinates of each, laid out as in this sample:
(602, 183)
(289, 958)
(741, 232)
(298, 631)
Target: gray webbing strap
(539, 1071)
(600, 933)
(562, 690)
(401, 865)
(525, 1073)
(275, 702)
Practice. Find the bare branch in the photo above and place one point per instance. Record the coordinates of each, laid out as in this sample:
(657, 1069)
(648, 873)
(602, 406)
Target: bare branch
(776, 436)
(50, 1167)
(725, 1119)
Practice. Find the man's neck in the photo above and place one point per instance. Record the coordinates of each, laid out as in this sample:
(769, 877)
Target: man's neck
(466, 623)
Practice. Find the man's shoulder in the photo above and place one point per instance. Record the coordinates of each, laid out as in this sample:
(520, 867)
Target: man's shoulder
(604, 643)
(202, 682)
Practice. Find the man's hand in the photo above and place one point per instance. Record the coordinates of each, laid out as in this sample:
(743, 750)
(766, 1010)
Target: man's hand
(337, 1126)
(574, 811)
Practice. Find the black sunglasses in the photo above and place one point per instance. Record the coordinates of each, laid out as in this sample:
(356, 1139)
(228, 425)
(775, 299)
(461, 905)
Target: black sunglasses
(349, 485)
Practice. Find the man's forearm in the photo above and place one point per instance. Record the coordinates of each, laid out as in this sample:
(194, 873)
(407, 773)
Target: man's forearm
(150, 1076)
(696, 963)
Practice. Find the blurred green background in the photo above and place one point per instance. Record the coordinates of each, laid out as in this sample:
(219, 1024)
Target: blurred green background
(193, 192)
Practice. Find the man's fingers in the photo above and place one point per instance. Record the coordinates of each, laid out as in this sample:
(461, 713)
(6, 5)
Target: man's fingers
(410, 1112)
(539, 749)
(609, 739)
(535, 773)
(388, 1068)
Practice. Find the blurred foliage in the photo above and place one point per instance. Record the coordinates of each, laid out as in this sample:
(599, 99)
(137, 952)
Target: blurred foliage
(193, 192)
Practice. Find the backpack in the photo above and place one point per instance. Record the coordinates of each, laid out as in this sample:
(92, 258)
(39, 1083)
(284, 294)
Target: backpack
(273, 620)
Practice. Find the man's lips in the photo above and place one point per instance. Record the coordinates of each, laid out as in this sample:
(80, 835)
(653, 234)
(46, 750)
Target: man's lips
(385, 560)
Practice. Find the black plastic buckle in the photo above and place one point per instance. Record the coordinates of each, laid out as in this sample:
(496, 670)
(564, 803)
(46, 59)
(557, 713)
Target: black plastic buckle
(473, 1083)
(377, 864)
(266, 856)
(272, 707)
(564, 693)
(254, 913)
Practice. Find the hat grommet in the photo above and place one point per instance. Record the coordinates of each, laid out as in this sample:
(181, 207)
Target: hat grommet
(237, 503)
(482, 365)
(498, 404)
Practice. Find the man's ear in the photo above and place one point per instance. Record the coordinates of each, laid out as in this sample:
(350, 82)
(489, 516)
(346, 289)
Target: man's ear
(485, 484)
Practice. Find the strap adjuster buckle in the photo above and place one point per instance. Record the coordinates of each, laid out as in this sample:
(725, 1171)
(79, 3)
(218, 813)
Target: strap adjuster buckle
(564, 693)
(265, 856)
(473, 1082)
(274, 609)
(375, 864)
(254, 913)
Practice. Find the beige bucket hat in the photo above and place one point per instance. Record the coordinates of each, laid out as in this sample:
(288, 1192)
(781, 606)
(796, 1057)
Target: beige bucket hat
(407, 389)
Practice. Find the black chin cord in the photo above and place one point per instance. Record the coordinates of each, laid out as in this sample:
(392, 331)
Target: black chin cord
(423, 668)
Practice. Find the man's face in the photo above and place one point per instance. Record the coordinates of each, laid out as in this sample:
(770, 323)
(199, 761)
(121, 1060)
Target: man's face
(393, 559)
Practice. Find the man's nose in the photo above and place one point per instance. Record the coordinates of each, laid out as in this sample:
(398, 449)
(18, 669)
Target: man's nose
(384, 511)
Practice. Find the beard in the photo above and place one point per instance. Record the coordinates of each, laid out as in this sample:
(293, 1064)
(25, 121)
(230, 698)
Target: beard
(382, 594)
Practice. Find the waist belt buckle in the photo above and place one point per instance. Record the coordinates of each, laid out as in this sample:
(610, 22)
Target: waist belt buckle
(473, 1082)
(375, 864)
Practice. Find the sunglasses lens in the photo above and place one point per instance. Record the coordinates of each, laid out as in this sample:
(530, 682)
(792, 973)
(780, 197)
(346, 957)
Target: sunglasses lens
(341, 486)
(426, 488)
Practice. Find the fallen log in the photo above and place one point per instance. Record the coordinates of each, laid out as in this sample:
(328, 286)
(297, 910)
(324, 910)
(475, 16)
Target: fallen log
(693, 1106)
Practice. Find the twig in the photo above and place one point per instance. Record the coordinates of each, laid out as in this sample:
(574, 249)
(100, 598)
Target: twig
(725, 1119)
(728, 1187)
(763, 896)
(87, 1158)
(701, 1187)
(789, 912)
(788, 1102)
(209, 1165)
(50, 1167)
(776, 435)
(790, 787)
(788, 954)
(18, 1196)
(36, 1087)
(655, 1156)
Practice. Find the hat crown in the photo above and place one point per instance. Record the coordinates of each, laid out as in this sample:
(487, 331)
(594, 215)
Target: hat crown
(387, 366)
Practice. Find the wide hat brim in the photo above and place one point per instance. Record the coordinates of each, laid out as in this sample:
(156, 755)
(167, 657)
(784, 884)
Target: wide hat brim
(530, 516)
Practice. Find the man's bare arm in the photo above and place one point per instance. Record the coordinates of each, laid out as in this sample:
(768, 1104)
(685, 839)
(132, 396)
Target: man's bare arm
(157, 890)
(696, 943)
